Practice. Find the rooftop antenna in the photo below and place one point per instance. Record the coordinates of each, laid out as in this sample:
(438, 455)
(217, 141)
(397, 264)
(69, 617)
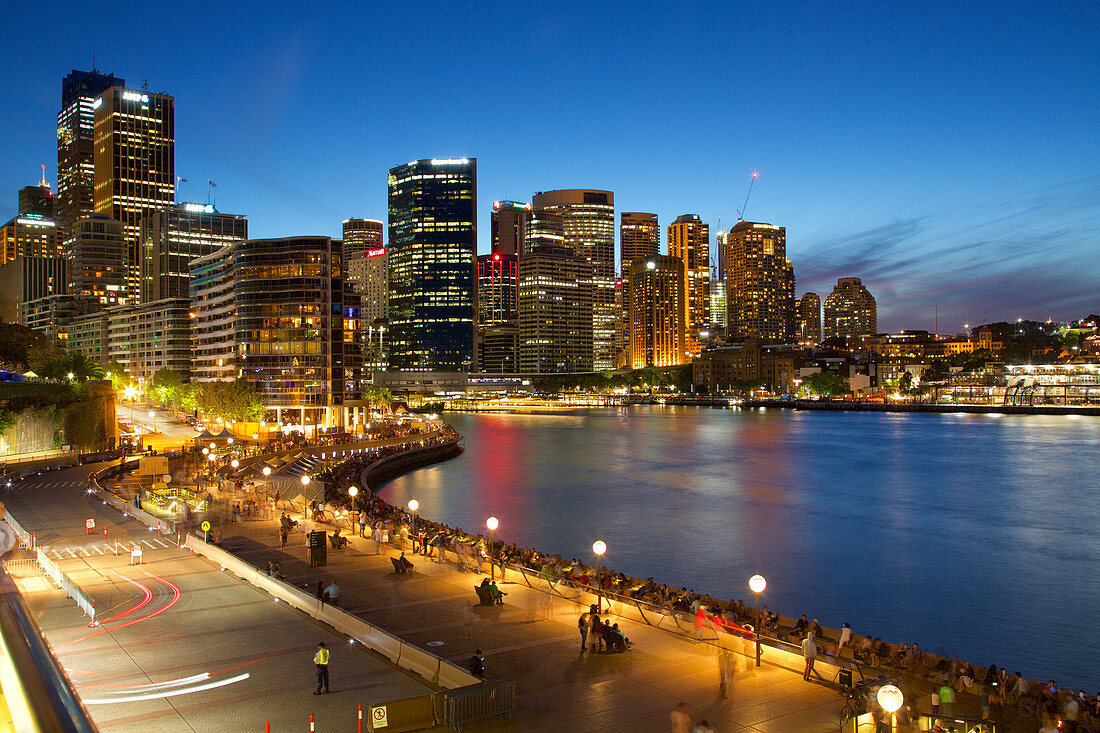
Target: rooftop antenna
(94, 69)
(741, 211)
(44, 184)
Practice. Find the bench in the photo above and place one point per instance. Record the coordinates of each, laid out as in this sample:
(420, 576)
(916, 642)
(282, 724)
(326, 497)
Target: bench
(484, 596)
(398, 567)
(338, 543)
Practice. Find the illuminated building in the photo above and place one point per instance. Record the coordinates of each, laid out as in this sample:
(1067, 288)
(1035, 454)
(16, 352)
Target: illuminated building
(508, 223)
(174, 236)
(658, 290)
(28, 278)
(53, 314)
(362, 236)
(730, 368)
(808, 308)
(147, 337)
(213, 316)
(555, 310)
(38, 201)
(97, 259)
(499, 353)
(759, 282)
(135, 172)
(29, 235)
(433, 238)
(639, 236)
(850, 310)
(75, 145)
(368, 273)
(497, 282)
(718, 309)
(689, 239)
(588, 219)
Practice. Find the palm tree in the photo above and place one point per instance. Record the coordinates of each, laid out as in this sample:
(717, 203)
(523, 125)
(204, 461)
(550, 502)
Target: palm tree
(78, 367)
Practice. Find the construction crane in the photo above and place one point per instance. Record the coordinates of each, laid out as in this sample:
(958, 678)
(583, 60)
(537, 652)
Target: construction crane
(741, 211)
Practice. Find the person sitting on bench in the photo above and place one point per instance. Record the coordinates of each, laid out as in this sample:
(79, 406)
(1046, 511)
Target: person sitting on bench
(404, 563)
(496, 593)
(484, 594)
(338, 542)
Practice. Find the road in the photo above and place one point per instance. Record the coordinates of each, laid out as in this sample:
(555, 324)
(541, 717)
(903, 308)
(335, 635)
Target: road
(181, 645)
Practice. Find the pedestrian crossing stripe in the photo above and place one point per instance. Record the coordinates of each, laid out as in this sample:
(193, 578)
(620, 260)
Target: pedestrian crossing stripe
(65, 553)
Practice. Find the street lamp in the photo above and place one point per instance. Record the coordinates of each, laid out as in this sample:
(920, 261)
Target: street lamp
(492, 523)
(234, 463)
(757, 584)
(206, 451)
(599, 547)
(891, 699)
(266, 471)
(305, 480)
(153, 414)
(353, 492)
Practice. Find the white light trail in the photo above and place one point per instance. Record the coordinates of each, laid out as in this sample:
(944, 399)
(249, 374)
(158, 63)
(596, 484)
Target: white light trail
(169, 693)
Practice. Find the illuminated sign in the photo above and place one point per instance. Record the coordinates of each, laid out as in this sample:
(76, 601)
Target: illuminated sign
(96, 104)
(199, 208)
(35, 221)
(376, 252)
(450, 161)
(135, 97)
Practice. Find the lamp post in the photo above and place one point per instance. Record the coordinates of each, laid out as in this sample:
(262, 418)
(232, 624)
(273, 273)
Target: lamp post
(153, 415)
(599, 547)
(891, 699)
(266, 471)
(492, 523)
(413, 506)
(757, 584)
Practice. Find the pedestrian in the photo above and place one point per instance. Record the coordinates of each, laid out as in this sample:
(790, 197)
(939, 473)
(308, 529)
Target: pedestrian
(332, 593)
(947, 699)
(321, 591)
(845, 637)
(476, 664)
(362, 523)
(582, 626)
(809, 652)
(320, 660)
(725, 671)
(681, 719)
(282, 537)
(703, 727)
(593, 630)
(935, 702)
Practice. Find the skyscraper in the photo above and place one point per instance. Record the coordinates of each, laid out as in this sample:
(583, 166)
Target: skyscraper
(75, 145)
(29, 235)
(658, 291)
(809, 319)
(759, 282)
(689, 239)
(362, 236)
(508, 224)
(639, 236)
(433, 238)
(135, 171)
(97, 259)
(588, 218)
(555, 310)
(38, 200)
(369, 275)
(172, 237)
(497, 281)
(850, 310)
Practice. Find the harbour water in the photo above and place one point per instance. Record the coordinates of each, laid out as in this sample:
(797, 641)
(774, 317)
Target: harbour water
(974, 535)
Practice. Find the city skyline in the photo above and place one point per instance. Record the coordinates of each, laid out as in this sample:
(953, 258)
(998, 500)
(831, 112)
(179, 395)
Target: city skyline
(944, 176)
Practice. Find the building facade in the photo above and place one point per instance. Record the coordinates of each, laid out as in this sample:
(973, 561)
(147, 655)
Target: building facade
(174, 236)
(508, 223)
(28, 278)
(497, 284)
(135, 170)
(214, 316)
(588, 218)
(38, 200)
(53, 314)
(433, 239)
(639, 237)
(689, 240)
(361, 237)
(368, 273)
(147, 337)
(97, 259)
(29, 235)
(808, 308)
(850, 310)
(746, 365)
(759, 283)
(555, 311)
(658, 290)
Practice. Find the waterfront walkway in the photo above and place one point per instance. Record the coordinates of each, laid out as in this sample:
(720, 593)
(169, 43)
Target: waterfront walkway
(533, 641)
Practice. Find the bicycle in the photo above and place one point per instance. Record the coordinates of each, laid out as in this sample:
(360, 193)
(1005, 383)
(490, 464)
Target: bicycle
(855, 704)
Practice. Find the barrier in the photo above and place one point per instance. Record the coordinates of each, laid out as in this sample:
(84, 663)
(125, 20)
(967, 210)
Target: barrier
(63, 581)
(397, 716)
(478, 702)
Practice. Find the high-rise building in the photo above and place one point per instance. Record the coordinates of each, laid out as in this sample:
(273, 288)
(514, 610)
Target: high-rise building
(555, 310)
(213, 326)
(759, 283)
(433, 238)
(75, 145)
(718, 308)
(97, 259)
(809, 319)
(497, 280)
(147, 337)
(29, 235)
(362, 236)
(689, 239)
(718, 261)
(172, 237)
(639, 236)
(508, 224)
(588, 218)
(658, 290)
(368, 273)
(38, 200)
(135, 170)
(850, 310)
(28, 278)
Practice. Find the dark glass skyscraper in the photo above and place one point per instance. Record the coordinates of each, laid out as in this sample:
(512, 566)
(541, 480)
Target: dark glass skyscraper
(433, 237)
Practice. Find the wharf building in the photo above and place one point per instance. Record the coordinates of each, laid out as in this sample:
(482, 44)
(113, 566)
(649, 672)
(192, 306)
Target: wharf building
(808, 309)
(433, 240)
(743, 365)
(135, 173)
(172, 237)
(508, 224)
(689, 240)
(362, 236)
(588, 218)
(759, 283)
(658, 291)
(76, 145)
(850, 310)
(556, 296)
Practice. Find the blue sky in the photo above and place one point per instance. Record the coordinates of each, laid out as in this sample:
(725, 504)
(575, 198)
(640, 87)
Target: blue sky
(945, 154)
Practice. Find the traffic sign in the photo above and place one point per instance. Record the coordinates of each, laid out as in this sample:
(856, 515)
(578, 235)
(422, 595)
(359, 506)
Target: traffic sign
(205, 526)
(89, 523)
(379, 718)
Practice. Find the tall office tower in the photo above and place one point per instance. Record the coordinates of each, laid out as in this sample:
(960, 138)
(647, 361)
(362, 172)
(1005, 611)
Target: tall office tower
(368, 273)
(433, 238)
(28, 278)
(850, 310)
(555, 310)
(622, 330)
(135, 169)
(173, 236)
(589, 227)
(75, 145)
(497, 281)
(759, 282)
(97, 259)
(213, 329)
(361, 236)
(809, 319)
(509, 227)
(718, 310)
(38, 200)
(639, 236)
(545, 228)
(658, 326)
(689, 239)
(718, 259)
(29, 235)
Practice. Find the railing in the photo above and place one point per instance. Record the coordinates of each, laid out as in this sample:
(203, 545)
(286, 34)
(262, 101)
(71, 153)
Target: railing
(63, 581)
(478, 702)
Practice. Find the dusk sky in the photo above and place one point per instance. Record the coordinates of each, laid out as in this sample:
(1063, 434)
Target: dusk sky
(944, 154)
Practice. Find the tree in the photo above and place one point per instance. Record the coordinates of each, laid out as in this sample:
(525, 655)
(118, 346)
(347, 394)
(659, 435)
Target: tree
(15, 343)
(235, 401)
(380, 396)
(827, 383)
(906, 381)
(168, 387)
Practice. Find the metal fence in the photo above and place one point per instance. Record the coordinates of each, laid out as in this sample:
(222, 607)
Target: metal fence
(478, 702)
(60, 579)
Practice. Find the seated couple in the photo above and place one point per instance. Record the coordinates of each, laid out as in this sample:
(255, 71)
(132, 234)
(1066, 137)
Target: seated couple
(611, 637)
(489, 594)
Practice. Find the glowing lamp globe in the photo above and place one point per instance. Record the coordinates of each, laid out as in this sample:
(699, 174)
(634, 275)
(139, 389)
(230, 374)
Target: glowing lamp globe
(230, 441)
(206, 451)
(757, 584)
(255, 436)
(213, 446)
(890, 698)
(234, 463)
(492, 523)
(267, 471)
(152, 414)
(599, 547)
(212, 457)
(353, 491)
(305, 480)
(413, 505)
